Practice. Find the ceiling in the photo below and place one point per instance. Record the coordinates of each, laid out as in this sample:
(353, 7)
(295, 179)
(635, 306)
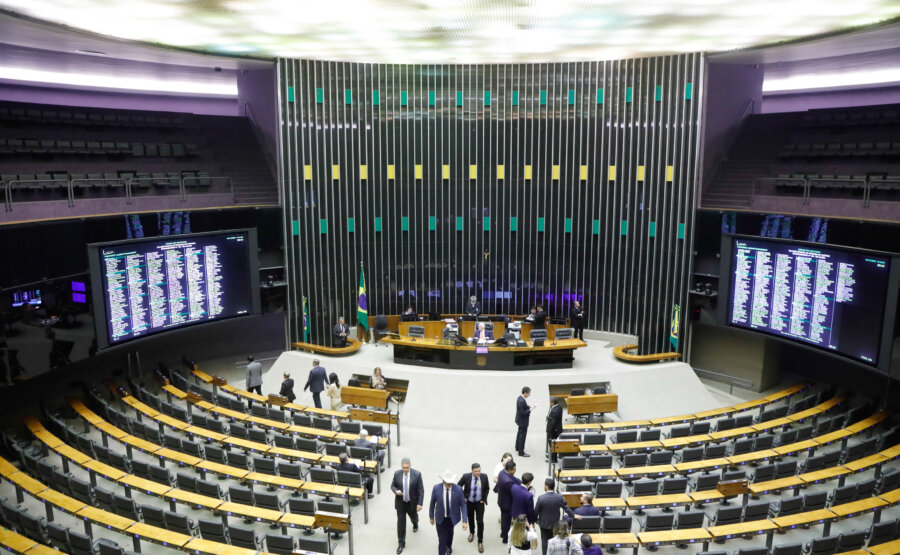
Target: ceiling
(442, 31)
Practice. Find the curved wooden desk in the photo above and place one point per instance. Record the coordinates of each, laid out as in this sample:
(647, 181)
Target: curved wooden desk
(437, 354)
(354, 345)
(621, 353)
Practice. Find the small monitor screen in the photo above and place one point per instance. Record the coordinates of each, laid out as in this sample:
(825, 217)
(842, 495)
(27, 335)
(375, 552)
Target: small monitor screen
(79, 286)
(481, 350)
(30, 296)
(79, 298)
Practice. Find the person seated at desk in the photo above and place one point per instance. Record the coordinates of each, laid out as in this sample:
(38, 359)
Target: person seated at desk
(339, 333)
(473, 307)
(587, 507)
(348, 466)
(483, 335)
(363, 441)
(409, 316)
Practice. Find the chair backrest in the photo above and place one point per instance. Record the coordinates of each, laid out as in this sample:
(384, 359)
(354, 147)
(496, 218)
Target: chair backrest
(259, 410)
(264, 464)
(594, 439)
(257, 435)
(210, 489)
(213, 530)
(308, 445)
(79, 544)
(723, 424)
(744, 445)
(323, 475)
(351, 479)
(784, 469)
(239, 494)
(289, 470)
(153, 515)
(814, 501)
(788, 549)
(266, 500)
(790, 505)
(58, 535)
(614, 524)
(714, 451)
(302, 420)
(690, 454)
(350, 427)
(625, 436)
(331, 507)
(728, 515)
(700, 427)
(600, 461)
(851, 541)
(312, 545)
(674, 485)
(125, 506)
(706, 482)
(335, 449)
(680, 431)
(186, 481)
(649, 435)
(645, 487)
(763, 442)
(283, 440)
(764, 472)
(373, 429)
(213, 453)
(586, 525)
(882, 532)
(242, 537)
(572, 462)
(301, 506)
(104, 499)
(756, 511)
(822, 546)
(239, 459)
(657, 522)
(608, 489)
(635, 459)
(660, 457)
(843, 494)
(177, 522)
(752, 551)
(866, 488)
(689, 519)
(80, 490)
(108, 547)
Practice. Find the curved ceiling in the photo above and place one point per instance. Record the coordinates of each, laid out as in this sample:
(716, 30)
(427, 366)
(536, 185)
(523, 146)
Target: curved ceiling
(452, 31)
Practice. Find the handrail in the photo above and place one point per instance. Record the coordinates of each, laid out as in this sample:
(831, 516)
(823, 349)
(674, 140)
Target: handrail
(730, 380)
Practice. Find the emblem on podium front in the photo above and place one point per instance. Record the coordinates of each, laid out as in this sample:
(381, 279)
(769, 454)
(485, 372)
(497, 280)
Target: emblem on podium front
(481, 360)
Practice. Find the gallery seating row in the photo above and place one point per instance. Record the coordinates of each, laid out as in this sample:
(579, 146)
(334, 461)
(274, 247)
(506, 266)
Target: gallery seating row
(81, 148)
(37, 113)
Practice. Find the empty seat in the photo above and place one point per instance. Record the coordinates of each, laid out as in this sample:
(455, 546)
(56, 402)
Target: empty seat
(714, 451)
(726, 515)
(213, 530)
(743, 420)
(700, 427)
(883, 532)
(723, 424)
(649, 435)
(822, 546)
(689, 519)
(239, 494)
(764, 473)
(153, 515)
(594, 439)
(814, 501)
(742, 446)
(660, 457)
(680, 431)
(616, 524)
(634, 459)
(645, 487)
(600, 461)
(586, 525)
(756, 511)
(625, 436)
(279, 544)
(844, 494)
(658, 522)
(674, 485)
(704, 482)
(244, 537)
(690, 454)
(787, 506)
(784, 469)
(608, 489)
(180, 523)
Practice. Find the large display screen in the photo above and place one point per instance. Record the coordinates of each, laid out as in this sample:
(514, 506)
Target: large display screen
(831, 298)
(158, 284)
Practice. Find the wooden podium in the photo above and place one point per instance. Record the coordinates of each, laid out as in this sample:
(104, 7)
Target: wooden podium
(365, 397)
(592, 404)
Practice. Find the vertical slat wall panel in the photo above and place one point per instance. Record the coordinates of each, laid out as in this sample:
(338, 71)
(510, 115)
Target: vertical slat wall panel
(629, 269)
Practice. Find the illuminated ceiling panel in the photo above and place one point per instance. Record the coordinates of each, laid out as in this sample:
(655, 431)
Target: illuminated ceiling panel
(450, 31)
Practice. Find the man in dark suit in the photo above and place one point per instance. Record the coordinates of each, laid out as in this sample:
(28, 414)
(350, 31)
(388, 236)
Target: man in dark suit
(522, 499)
(577, 318)
(473, 307)
(339, 333)
(505, 481)
(475, 488)
(523, 414)
(409, 495)
(363, 441)
(446, 509)
(316, 382)
(347, 466)
(554, 425)
(549, 510)
(540, 318)
(587, 507)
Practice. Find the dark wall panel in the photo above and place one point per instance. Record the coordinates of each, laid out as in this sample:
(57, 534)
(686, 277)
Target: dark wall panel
(541, 220)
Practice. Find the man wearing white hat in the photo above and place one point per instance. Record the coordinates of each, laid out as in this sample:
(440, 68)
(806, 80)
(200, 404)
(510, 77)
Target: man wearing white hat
(447, 508)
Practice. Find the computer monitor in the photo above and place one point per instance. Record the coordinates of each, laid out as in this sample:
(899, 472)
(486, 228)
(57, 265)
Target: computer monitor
(565, 333)
(409, 317)
(79, 298)
(434, 316)
(417, 331)
(467, 318)
(79, 286)
(538, 337)
(500, 318)
(27, 296)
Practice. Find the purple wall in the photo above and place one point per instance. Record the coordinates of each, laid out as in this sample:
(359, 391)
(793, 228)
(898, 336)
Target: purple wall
(802, 101)
(729, 88)
(127, 101)
(257, 88)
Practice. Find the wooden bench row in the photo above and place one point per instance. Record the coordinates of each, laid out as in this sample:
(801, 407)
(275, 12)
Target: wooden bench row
(224, 509)
(731, 461)
(686, 418)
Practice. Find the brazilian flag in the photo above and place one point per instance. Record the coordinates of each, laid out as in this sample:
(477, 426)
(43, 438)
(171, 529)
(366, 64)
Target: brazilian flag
(362, 304)
(673, 332)
(305, 321)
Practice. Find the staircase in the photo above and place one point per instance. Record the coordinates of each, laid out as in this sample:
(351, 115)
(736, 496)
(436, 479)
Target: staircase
(240, 157)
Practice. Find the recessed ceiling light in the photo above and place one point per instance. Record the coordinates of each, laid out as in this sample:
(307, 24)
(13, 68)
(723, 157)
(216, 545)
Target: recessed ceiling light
(91, 53)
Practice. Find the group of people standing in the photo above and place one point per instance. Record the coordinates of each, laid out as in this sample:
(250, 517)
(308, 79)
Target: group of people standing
(317, 382)
(454, 501)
